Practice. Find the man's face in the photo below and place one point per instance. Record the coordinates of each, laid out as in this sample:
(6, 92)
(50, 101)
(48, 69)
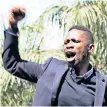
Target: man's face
(76, 46)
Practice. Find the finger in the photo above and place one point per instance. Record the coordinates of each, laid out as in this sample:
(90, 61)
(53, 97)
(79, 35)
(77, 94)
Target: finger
(22, 11)
(14, 9)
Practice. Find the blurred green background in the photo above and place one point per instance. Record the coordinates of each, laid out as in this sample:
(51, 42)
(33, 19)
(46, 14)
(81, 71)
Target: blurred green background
(44, 38)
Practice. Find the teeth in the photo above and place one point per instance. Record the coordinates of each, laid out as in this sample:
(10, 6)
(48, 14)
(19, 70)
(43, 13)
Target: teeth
(70, 60)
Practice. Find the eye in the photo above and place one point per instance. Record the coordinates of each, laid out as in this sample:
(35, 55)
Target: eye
(75, 41)
(66, 41)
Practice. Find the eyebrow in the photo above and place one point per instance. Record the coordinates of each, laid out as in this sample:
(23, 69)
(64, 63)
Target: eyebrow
(73, 39)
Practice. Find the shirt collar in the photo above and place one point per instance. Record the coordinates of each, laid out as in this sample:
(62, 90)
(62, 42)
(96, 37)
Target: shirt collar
(85, 76)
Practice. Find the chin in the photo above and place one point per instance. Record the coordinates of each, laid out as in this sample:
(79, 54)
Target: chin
(71, 61)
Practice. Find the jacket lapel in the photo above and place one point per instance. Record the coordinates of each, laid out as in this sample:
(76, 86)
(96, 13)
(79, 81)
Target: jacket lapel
(100, 90)
(60, 71)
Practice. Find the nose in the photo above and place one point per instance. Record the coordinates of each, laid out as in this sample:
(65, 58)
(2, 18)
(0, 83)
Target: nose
(70, 45)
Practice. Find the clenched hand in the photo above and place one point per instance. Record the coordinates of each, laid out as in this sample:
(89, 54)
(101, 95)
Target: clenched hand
(16, 14)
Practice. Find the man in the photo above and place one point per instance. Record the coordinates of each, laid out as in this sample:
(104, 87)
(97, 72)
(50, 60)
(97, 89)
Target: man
(59, 83)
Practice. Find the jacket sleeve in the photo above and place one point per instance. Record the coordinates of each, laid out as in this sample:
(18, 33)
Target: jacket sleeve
(14, 64)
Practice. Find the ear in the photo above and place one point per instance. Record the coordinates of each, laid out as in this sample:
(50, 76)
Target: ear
(91, 48)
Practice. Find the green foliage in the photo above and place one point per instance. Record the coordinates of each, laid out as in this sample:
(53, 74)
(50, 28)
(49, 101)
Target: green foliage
(17, 92)
(92, 14)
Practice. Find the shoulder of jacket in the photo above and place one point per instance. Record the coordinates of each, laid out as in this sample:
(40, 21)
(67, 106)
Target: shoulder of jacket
(54, 61)
(102, 76)
(58, 61)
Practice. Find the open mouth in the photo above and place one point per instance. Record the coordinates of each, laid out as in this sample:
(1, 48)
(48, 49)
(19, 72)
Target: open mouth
(70, 54)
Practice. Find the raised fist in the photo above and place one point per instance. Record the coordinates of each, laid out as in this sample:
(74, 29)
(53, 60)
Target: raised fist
(16, 14)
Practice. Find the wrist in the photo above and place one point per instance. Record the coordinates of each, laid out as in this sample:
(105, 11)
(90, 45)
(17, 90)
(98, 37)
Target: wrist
(13, 25)
(12, 31)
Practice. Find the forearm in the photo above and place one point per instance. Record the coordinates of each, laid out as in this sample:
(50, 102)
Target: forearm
(10, 53)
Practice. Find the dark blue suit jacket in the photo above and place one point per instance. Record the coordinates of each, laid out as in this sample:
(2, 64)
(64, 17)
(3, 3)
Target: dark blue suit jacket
(47, 76)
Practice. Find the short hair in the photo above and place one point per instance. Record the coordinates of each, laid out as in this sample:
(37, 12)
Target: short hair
(88, 32)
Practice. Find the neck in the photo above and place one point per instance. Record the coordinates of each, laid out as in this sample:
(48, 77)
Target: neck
(81, 68)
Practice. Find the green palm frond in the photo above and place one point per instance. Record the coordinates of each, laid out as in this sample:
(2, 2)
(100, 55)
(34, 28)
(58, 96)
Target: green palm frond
(92, 14)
